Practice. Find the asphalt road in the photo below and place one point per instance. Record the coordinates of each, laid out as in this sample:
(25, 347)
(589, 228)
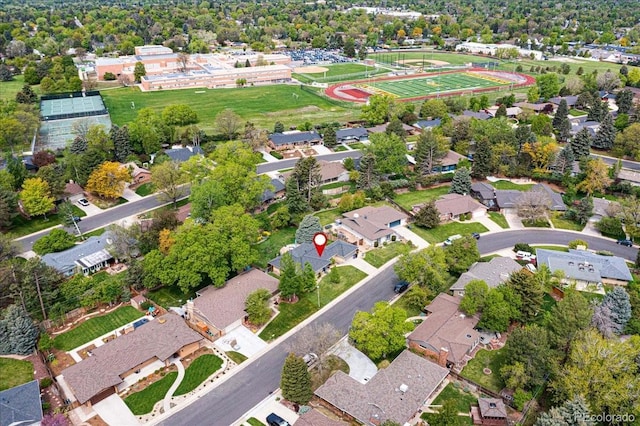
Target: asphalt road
(626, 164)
(102, 219)
(286, 164)
(233, 398)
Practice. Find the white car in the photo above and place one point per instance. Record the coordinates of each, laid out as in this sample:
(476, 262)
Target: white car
(83, 202)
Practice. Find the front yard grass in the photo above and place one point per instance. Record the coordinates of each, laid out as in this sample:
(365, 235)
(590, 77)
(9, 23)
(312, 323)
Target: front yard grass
(292, 314)
(499, 219)
(196, 373)
(402, 303)
(255, 422)
(21, 226)
(548, 247)
(142, 402)
(327, 217)
(339, 148)
(14, 372)
(270, 248)
(460, 421)
(381, 255)
(442, 232)
(505, 184)
(537, 223)
(96, 327)
(145, 189)
(236, 357)
(463, 399)
(559, 221)
(411, 198)
(493, 360)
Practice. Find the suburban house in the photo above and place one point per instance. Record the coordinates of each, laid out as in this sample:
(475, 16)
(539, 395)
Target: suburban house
(494, 273)
(73, 192)
(371, 226)
(512, 112)
(508, 198)
(87, 258)
(305, 253)
(353, 134)
(480, 115)
(21, 405)
(115, 365)
(571, 100)
(295, 139)
(603, 208)
(427, 124)
(269, 196)
(489, 412)
(394, 393)
(139, 175)
(484, 193)
(314, 417)
(581, 123)
(586, 270)
(382, 128)
(218, 310)
(451, 206)
(180, 155)
(330, 171)
(537, 108)
(447, 336)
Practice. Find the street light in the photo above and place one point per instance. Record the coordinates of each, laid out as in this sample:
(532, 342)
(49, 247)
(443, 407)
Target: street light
(318, 288)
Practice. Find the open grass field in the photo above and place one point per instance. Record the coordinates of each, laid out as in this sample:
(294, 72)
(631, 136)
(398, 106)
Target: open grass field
(142, 402)
(169, 296)
(95, 327)
(8, 89)
(451, 58)
(262, 105)
(14, 372)
(197, 372)
(340, 72)
(292, 314)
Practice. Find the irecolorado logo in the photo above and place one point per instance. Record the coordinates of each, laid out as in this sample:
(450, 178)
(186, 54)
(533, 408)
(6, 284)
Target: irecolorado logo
(607, 418)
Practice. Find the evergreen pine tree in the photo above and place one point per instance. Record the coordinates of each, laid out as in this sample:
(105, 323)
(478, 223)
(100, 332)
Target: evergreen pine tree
(561, 123)
(395, 126)
(502, 111)
(595, 111)
(308, 227)
(606, 134)
(121, 142)
(617, 304)
(482, 160)
(296, 202)
(461, 183)
(278, 127)
(369, 178)
(580, 144)
(329, 137)
(624, 101)
(289, 284)
(564, 160)
(295, 381)
(308, 278)
(78, 146)
(19, 330)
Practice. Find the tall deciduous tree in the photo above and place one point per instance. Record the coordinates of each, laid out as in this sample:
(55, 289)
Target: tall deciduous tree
(139, 71)
(461, 254)
(57, 240)
(596, 177)
(295, 381)
(257, 306)
(426, 268)
(108, 180)
(304, 184)
(389, 151)
(530, 346)
(380, 332)
(548, 85)
(377, 109)
(228, 123)
(475, 294)
(36, 197)
(500, 306)
(569, 316)
(169, 179)
(428, 216)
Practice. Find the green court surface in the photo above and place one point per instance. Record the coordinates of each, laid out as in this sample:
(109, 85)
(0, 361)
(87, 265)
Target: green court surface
(52, 107)
(433, 84)
(407, 57)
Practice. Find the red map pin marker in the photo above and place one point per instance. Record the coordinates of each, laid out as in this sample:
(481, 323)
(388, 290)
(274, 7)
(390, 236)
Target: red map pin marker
(320, 241)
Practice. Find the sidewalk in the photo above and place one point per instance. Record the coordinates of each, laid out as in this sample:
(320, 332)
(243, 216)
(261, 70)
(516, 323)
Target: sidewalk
(363, 265)
(488, 223)
(408, 234)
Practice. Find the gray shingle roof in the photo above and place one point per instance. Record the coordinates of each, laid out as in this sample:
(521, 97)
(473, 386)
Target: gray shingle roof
(160, 339)
(507, 198)
(183, 154)
(480, 115)
(427, 124)
(584, 265)
(306, 253)
(21, 405)
(225, 305)
(69, 259)
(557, 203)
(484, 190)
(268, 194)
(394, 393)
(298, 137)
(354, 133)
(494, 272)
(456, 204)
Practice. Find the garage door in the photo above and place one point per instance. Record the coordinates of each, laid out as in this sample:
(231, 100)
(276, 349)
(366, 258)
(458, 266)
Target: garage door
(395, 223)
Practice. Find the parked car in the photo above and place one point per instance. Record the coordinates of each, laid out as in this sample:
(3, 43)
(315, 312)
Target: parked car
(73, 219)
(475, 235)
(83, 202)
(310, 359)
(275, 420)
(526, 256)
(451, 239)
(400, 287)
(625, 242)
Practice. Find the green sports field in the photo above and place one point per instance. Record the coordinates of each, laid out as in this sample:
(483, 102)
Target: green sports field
(406, 57)
(340, 72)
(431, 85)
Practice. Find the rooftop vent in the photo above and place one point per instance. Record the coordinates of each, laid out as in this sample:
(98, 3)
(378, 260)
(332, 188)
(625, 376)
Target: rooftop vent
(571, 263)
(404, 388)
(492, 405)
(356, 215)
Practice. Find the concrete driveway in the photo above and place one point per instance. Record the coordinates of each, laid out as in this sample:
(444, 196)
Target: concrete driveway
(249, 344)
(114, 411)
(361, 367)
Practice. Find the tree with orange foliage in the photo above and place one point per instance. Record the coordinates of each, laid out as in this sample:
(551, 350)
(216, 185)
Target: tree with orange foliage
(165, 241)
(108, 180)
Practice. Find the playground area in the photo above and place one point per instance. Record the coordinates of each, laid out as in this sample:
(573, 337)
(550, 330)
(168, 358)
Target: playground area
(423, 86)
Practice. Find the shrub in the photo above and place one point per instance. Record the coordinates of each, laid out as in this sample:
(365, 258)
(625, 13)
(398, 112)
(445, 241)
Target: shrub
(575, 243)
(276, 154)
(523, 247)
(109, 76)
(610, 227)
(146, 305)
(45, 383)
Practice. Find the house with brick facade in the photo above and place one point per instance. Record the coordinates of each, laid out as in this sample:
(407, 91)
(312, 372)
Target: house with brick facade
(295, 139)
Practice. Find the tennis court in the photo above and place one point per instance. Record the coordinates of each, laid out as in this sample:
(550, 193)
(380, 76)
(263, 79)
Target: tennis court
(56, 134)
(71, 106)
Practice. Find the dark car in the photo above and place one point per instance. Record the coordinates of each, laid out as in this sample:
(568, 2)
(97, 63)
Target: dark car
(627, 243)
(475, 235)
(275, 420)
(401, 286)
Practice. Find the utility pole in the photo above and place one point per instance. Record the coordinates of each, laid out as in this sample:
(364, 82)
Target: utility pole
(44, 313)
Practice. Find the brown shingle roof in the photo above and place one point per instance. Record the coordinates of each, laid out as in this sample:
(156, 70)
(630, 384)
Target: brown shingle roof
(446, 327)
(371, 222)
(456, 204)
(225, 305)
(451, 158)
(492, 407)
(159, 339)
(73, 188)
(316, 418)
(330, 170)
(394, 393)
(494, 272)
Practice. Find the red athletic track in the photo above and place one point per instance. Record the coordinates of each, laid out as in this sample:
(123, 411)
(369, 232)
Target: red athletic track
(334, 91)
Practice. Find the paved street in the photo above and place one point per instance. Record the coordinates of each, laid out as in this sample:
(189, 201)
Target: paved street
(626, 164)
(229, 401)
(286, 164)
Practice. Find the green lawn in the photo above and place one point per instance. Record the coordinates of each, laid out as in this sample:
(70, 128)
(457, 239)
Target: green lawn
(411, 198)
(548, 247)
(340, 72)
(262, 105)
(558, 220)
(255, 422)
(493, 360)
(292, 314)
(505, 184)
(452, 58)
(21, 226)
(8, 89)
(328, 216)
(463, 399)
(381, 255)
(14, 372)
(576, 112)
(340, 148)
(460, 421)
(145, 189)
(499, 219)
(169, 296)
(442, 232)
(270, 248)
(199, 370)
(236, 357)
(538, 223)
(95, 327)
(142, 402)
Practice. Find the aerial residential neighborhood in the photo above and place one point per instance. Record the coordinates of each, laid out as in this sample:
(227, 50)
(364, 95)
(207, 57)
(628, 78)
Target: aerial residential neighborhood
(319, 213)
